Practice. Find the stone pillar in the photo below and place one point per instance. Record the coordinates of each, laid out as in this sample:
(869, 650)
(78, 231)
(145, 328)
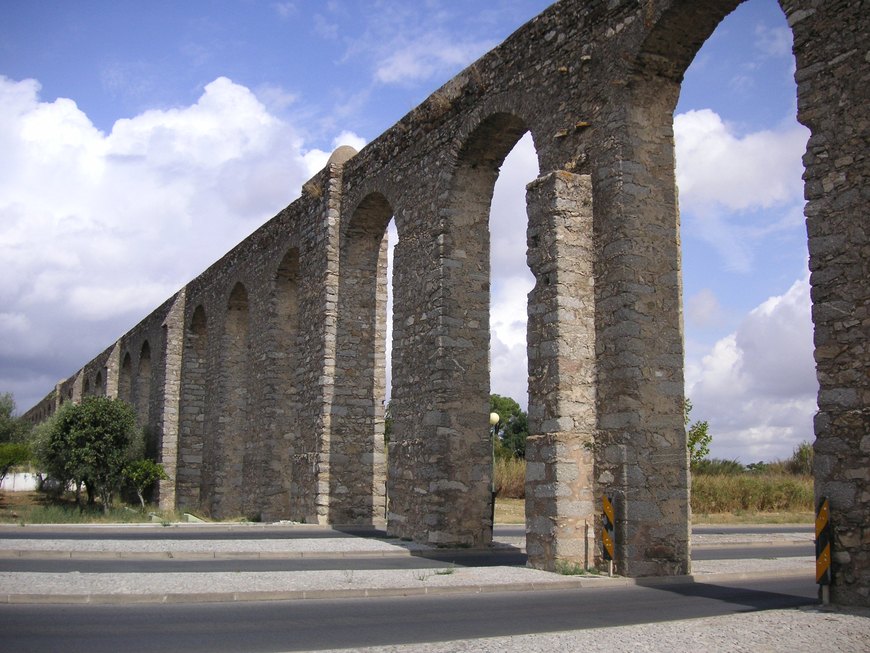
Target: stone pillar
(440, 460)
(562, 372)
(318, 293)
(831, 45)
(174, 333)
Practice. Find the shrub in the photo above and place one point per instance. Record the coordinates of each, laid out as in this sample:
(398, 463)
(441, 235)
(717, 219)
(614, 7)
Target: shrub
(717, 467)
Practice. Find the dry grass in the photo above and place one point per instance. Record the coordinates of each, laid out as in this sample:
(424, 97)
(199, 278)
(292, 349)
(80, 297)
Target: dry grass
(510, 511)
(40, 508)
(510, 478)
(753, 493)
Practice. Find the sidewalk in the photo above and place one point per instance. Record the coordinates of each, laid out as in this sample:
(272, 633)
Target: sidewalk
(190, 542)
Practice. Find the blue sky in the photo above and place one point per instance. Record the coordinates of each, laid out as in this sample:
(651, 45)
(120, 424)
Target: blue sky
(143, 140)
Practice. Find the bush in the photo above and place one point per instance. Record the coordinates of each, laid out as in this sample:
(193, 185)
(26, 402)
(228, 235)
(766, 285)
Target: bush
(717, 467)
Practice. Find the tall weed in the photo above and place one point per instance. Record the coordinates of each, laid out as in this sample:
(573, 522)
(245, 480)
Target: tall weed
(510, 478)
(759, 492)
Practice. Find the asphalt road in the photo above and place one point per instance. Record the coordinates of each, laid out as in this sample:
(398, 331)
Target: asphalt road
(313, 624)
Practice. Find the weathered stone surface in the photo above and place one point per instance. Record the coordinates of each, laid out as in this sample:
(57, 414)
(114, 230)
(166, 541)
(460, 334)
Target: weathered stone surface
(262, 380)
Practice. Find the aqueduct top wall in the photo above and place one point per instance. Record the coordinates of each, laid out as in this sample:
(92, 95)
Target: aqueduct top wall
(264, 377)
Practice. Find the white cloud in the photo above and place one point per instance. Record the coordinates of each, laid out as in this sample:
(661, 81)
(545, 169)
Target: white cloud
(97, 229)
(426, 56)
(757, 387)
(734, 190)
(716, 166)
(775, 42)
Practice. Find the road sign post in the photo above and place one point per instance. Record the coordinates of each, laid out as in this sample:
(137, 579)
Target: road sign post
(823, 549)
(607, 534)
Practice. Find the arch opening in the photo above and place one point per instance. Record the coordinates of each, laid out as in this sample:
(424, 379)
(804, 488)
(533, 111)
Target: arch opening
(356, 448)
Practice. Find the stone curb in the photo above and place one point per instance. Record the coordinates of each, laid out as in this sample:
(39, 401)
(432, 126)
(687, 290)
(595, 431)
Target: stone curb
(295, 595)
(253, 555)
(243, 555)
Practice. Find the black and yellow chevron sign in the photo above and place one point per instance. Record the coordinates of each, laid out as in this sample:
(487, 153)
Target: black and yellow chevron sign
(823, 543)
(607, 535)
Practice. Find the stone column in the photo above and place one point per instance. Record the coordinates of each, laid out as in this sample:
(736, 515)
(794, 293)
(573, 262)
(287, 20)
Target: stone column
(174, 332)
(562, 371)
(831, 45)
(318, 293)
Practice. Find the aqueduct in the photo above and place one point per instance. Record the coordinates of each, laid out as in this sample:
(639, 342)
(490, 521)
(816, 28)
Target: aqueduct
(263, 378)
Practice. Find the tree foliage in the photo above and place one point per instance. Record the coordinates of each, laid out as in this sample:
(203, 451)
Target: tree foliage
(141, 474)
(91, 443)
(697, 437)
(12, 428)
(512, 428)
(12, 454)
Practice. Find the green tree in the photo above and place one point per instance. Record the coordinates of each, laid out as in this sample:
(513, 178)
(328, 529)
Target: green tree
(12, 454)
(513, 425)
(697, 437)
(12, 428)
(141, 474)
(92, 443)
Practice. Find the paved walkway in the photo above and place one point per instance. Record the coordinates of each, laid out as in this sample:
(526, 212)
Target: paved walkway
(245, 542)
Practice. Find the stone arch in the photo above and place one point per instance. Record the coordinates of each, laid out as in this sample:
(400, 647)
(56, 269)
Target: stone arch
(125, 379)
(827, 46)
(143, 386)
(448, 428)
(99, 384)
(232, 442)
(292, 457)
(194, 384)
(357, 471)
(86, 388)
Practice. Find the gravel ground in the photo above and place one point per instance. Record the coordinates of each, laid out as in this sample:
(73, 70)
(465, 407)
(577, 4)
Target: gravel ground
(773, 631)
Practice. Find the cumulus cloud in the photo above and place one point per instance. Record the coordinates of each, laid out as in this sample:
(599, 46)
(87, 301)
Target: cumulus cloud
(716, 166)
(97, 229)
(736, 189)
(757, 387)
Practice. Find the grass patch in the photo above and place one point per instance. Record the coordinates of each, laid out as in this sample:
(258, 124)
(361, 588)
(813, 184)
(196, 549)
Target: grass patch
(39, 508)
(752, 493)
(567, 568)
(510, 511)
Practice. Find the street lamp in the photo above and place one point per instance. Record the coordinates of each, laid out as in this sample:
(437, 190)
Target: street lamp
(493, 420)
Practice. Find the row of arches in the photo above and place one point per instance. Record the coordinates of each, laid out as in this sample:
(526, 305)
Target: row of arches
(237, 426)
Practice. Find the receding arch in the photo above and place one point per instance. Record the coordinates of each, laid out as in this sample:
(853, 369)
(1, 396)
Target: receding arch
(143, 386)
(356, 446)
(233, 436)
(291, 455)
(125, 379)
(448, 425)
(194, 399)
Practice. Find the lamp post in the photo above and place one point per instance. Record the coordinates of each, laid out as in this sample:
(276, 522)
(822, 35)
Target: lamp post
(493, 421)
